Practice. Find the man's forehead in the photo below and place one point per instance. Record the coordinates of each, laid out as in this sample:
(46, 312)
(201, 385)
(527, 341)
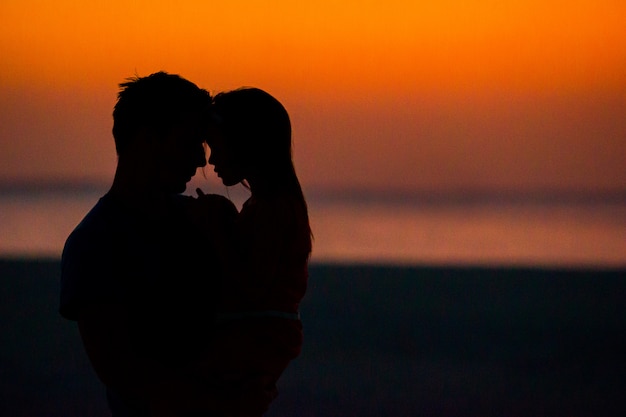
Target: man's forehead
(214, 135)
(193, 121)
(194, 116)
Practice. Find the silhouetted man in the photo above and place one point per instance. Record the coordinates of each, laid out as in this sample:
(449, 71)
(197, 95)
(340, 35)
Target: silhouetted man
(136, 276)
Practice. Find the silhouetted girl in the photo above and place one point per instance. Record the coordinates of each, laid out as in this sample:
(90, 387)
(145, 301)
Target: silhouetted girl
(266, 263)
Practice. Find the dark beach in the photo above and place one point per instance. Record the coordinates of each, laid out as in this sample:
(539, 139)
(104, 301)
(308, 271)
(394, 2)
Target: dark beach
(379, 341)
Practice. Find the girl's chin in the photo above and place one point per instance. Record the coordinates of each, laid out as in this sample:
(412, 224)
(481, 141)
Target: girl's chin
(229, 181)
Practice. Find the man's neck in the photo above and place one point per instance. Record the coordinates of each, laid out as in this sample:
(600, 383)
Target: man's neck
(131, 186)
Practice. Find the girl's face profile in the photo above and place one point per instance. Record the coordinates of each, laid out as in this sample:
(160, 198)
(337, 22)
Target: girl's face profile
(224, 160)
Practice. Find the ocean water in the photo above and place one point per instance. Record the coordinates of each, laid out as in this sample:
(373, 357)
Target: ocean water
(485, 231)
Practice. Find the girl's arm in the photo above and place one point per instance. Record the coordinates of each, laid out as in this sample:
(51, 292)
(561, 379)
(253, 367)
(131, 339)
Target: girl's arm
(262, 230)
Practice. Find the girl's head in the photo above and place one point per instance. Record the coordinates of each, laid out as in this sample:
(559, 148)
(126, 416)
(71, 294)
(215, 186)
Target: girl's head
(251, 140)
(251, 143)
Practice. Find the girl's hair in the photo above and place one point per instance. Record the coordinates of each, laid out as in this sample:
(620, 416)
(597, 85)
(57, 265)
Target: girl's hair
(256, 127)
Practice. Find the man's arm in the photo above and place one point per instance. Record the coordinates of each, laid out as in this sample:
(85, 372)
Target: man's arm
(108, 341)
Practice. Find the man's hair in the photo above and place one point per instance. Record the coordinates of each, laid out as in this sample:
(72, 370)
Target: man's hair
(156, 103)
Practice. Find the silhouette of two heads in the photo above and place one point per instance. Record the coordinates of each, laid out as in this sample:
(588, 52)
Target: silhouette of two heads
(161, 122)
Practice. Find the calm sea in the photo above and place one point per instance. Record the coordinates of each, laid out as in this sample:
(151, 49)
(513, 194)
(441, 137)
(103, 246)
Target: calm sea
(480, 230)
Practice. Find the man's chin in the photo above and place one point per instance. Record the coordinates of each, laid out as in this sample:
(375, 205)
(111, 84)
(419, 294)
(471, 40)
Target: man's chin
(178, 188)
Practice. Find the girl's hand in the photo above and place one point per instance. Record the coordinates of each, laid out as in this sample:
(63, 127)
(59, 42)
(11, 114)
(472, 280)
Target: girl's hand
(214, 216)
(215, 207)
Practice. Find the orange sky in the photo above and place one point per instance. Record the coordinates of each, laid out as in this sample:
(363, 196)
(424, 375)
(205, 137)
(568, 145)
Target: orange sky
(395, 94)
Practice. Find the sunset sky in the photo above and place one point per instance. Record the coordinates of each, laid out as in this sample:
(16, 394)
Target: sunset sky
(393, 95)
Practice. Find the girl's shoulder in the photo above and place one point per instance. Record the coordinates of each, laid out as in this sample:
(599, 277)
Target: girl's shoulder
(281, 213)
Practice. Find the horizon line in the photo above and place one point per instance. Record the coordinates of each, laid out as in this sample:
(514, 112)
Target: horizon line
(360, 193)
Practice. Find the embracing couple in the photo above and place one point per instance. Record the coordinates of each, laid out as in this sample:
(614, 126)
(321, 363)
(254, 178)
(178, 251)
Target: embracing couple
(185, 305)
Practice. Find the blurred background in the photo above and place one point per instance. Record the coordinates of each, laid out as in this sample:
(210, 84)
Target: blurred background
(456, 131)
(464, 167)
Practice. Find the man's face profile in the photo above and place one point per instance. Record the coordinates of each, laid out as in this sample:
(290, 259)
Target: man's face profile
(179, 152)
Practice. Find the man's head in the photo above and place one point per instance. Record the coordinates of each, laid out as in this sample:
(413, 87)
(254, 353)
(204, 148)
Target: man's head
(159, 124)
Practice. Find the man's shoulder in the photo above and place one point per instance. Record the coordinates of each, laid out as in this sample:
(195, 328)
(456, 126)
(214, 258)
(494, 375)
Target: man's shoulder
(91, 260)
(104, 219)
